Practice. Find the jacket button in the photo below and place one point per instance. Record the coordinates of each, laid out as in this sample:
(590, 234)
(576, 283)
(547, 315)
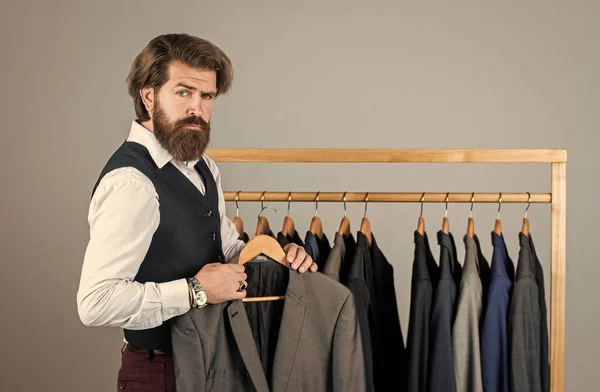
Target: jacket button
(209, 213)
(214, 237)
(220, 258)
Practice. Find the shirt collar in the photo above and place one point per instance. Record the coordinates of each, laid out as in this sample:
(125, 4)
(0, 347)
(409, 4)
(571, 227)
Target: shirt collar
(141, 135)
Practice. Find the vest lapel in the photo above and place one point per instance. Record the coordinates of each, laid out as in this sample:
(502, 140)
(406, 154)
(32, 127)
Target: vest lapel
(245, 342)
(291, 328)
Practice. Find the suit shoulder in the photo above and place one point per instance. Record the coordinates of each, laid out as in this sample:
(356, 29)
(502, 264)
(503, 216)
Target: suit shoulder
(322, 285)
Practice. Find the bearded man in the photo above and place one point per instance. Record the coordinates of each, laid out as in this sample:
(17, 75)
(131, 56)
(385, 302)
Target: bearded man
(160, 242)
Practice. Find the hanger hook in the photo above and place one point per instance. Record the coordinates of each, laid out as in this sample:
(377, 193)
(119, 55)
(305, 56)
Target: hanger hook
(264, 208)
(366, 202)
(317, 203)
(472, 201)
(237, 207)
(528, 203)
(422, 200)
(345, 202)
(499, 205)
(262, 201)
(446, 212)
(261, 214)
(289, 202)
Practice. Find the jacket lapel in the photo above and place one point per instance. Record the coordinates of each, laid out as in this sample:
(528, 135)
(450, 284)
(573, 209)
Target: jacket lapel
(245, 342)
(290, 331)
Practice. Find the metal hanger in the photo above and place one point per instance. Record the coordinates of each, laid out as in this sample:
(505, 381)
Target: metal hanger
(471, 223)
(345, 223)
(525, 228)
(288, 222)
(237, 220)
(498, 224)
(421, 224)
(365, 224)
(445, 221)
(316, 226)
(262, 225)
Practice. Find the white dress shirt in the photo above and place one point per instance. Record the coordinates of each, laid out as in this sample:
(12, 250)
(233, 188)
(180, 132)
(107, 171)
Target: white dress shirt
(123, 216)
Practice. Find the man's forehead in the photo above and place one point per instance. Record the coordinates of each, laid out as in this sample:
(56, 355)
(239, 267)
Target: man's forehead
(179, 72)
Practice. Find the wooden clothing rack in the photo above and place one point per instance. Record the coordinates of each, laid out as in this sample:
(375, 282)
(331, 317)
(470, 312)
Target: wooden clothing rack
(557, 158)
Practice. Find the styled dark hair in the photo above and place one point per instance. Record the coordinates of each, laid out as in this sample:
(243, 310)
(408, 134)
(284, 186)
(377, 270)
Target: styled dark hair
(151, 66)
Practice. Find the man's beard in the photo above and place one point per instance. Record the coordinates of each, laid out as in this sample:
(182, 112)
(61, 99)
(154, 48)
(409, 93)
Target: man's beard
(183, 143)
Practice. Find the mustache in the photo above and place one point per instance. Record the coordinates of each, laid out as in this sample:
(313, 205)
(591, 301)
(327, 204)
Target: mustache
(194, 120)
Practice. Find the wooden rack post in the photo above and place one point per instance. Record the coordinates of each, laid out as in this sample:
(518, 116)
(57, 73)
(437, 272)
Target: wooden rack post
(557, 197)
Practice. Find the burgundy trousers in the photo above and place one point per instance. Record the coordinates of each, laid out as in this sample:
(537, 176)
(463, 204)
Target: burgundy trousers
(145, 371)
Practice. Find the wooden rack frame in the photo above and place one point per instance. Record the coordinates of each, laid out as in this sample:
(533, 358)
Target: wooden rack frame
(557, 158)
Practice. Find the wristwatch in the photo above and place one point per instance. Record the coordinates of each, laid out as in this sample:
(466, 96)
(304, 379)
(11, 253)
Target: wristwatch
(199, 295)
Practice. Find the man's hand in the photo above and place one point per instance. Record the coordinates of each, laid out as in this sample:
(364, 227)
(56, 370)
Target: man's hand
(221, 281)
(299, 259)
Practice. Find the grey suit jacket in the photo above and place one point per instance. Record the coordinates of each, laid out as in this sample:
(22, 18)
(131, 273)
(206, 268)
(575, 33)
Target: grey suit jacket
(318, 347)
(465, 332)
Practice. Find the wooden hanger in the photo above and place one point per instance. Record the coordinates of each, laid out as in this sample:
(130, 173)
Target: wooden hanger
(316, 226)
(345, 223)
(365, 225)
(262, 225)
(288, 223)
(471, 223)
(445, 222)
(268, 246)
(237, 221)
(421, 224)
(498, 224)
(263, 244)
(525, 228)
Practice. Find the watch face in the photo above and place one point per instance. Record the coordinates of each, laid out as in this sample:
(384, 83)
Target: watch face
(202, 297)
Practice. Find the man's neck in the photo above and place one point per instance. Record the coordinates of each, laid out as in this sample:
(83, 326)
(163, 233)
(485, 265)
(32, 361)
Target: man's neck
(148, 125)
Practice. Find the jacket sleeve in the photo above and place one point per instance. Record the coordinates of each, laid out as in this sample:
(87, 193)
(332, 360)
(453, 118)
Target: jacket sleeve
(190, 374)
(348, 359)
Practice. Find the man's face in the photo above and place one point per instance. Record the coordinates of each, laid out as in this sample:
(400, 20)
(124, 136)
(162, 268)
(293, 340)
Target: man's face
(181, 111)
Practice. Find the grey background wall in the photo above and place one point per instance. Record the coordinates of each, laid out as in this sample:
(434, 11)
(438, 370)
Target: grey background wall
(308, 74)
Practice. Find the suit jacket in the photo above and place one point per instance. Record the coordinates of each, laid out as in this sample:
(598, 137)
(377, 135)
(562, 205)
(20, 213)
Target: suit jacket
(527, 326)
(337, 263)
(441, 376)
(494, 334)
(317, 342)
(425, 273)
(465, 332)
(284, 239)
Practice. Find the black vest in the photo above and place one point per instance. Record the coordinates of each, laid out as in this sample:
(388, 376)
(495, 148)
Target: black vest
(188, 235)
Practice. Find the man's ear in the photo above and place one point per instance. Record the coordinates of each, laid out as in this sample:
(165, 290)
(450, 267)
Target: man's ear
(148, 97)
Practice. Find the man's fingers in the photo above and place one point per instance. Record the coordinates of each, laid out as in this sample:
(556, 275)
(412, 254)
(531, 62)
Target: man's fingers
(306, 263)
(291, 256)
(236, 267)
(239, 295)
(241, 276)
(313, 267)
(240, 286)
(299, 259)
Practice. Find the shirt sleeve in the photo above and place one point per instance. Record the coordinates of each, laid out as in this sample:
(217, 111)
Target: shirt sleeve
(123, 216)
(231, 243)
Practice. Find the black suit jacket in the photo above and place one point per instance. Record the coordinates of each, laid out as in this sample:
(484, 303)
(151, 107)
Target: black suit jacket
(425, 274)
(441, 376)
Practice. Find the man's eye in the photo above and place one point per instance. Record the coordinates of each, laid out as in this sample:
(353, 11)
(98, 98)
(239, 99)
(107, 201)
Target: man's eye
(207, 96)
(182, 93)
